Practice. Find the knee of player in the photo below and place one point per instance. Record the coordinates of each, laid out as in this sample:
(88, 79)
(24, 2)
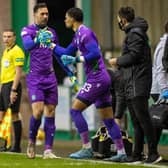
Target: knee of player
(106, 113)
(50, 110)
(109, 122)
(37, 115)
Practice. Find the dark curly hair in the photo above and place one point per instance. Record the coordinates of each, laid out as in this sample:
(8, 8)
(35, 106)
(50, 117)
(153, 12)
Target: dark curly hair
(38, 6)
(127, 13)
(76, 13)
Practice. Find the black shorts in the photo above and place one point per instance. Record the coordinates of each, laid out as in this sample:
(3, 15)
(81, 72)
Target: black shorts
(5, 97)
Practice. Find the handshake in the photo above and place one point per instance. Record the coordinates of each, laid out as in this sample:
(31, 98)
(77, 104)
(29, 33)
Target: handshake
(44, 38)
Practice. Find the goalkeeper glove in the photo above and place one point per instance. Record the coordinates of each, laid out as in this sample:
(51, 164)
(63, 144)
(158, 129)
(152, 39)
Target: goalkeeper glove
(74, 81)
(68, 59)
(44, 37)
(37, 39)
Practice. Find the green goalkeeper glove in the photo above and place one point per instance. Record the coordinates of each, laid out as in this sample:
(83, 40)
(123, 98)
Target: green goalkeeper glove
(44, 38)
(68, 59)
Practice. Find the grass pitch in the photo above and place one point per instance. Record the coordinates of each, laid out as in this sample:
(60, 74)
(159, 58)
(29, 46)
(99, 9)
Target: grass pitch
(10, 160)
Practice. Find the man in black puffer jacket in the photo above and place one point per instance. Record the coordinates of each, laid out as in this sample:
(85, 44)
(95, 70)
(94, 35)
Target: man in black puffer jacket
(136, 65)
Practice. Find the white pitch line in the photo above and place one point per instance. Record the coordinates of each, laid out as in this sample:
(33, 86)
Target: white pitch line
(97, 161)
(130, 164)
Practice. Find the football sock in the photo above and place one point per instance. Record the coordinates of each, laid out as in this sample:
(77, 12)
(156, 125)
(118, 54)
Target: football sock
(17, 125)
(79, 121)
(115, 133)
(120, 146)
(81, 125)
(49, 128)
(85, 138)
(33, 128)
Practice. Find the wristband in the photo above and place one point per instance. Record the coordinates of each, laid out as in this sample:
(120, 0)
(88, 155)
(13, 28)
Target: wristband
(80, 59)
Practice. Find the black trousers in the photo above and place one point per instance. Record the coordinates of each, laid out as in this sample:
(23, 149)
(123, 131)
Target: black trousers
(138, 108)
(158, 131)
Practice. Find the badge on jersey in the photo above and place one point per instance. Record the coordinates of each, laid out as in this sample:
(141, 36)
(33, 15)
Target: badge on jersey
(6, 63)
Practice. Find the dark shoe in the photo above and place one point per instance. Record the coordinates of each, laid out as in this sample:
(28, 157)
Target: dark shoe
(117, 158)
(136, 159)
(3, 149)
(153, 158)
(3, 145)
(16, 150)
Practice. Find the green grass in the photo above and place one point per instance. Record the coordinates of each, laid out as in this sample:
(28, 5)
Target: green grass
(8, 160)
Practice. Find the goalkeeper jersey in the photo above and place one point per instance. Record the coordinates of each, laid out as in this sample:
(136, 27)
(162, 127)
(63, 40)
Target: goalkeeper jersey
(10, 59)
(41, 59)
(86, 42)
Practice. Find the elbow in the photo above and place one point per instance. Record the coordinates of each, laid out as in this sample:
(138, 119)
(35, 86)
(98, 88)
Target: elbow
(92, 57)
(58, 51)
(97, 54)
(28, 45)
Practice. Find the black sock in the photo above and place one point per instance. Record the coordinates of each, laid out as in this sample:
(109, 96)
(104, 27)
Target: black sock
(17, 133)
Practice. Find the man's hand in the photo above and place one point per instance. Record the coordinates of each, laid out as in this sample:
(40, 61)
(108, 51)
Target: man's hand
(113, 63)
(68, 59)
(13, 97)
(44, 38)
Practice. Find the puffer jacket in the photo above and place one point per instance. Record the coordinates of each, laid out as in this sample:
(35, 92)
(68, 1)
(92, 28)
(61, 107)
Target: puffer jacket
(135, 61)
